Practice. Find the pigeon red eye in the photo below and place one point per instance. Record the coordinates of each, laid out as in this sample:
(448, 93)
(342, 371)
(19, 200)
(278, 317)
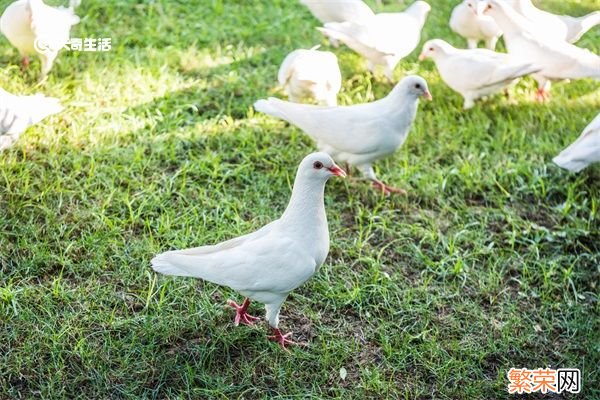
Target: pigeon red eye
(431, 49)
(318, 165)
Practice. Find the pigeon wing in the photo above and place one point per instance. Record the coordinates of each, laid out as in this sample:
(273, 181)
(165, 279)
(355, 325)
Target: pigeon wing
(264, 263)
(351, 129)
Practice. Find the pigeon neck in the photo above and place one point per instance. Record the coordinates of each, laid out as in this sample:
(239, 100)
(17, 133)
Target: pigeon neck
(510, 21)
(403, 105)
(523, 6)
(306, 205)
(418, 12)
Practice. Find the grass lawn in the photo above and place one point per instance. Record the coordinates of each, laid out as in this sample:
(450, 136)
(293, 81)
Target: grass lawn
(492, 261)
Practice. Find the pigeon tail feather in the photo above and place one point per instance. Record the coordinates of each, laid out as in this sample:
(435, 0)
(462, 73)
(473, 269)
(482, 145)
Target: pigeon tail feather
(182, 263)
(163, 264)
(269, 107)
(569, 164)
(43, 107)
(579, 26)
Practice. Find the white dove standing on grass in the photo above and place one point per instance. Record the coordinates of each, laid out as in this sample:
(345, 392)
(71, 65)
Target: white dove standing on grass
(582, 152)
(268, 264)
(36, 28)
(17, 113)
(562, 27)
(475, 73)
(383, 39)
(467, 20)
(359, 134)
(311, 74)
(557, 59)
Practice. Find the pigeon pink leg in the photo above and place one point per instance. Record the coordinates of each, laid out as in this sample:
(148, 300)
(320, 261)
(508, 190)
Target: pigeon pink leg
(281, 338)
(25, 63)
(240, 313)
(542, 95)
(385, 189)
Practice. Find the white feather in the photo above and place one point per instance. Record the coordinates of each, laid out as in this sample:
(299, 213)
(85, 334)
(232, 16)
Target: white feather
(338, 10)
(584, 151)
(562, 27)
(17, 113)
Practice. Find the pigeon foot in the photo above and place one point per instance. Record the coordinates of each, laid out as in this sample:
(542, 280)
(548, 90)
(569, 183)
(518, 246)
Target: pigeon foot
(282, 339)
(542, 95)
(240, 313)
(24, 63)
(385, 189)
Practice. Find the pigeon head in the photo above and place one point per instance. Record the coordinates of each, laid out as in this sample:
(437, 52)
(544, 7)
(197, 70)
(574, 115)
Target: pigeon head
(319, 166)
(477, 7)
(493, 7)
(413, 86)
(434, 49)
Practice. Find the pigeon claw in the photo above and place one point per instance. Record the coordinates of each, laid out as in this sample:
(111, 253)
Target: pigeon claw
(385, 189)
(24, 63)
(281, 338)
(542, 95)
(240, 313)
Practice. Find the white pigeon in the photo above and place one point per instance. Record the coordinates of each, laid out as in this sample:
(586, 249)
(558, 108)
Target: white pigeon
(312, 74)
(36, 28)
(268, 264)
(383, 39)
(557, 59)
(357, 134)
(17, 113)
(562, 27)
(582, 152)
(475, 73)
(467, 19)
(338, 10)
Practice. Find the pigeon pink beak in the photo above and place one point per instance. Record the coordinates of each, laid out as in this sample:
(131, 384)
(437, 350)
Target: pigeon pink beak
(337, 171)
(422, 57)
(428, 95)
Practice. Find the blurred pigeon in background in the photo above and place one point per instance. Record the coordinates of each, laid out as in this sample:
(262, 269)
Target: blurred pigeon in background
(311, 74)
(557, 59)
(383, 39)
(17, 113)
(562, 27)
(36, 28)
(467, 20)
